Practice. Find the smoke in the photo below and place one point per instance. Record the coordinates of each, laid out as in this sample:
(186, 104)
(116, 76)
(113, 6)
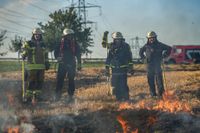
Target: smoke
(187, 122)
(9, 103)
(59, 122)
(9, 119)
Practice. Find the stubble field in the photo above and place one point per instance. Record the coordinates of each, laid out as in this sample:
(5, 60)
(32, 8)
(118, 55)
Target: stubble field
(95, 111)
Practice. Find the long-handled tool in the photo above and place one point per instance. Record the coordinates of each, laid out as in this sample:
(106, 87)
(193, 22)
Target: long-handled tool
(164, 77)
(109, 86)
(23, 82)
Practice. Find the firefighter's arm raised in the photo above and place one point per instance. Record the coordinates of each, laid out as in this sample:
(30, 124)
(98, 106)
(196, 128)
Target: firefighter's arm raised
(105, 39)
(105, 43)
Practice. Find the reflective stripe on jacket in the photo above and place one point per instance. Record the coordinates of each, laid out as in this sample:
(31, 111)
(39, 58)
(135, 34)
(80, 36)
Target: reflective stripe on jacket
(119, 57)
(35, 66)
(36, 54)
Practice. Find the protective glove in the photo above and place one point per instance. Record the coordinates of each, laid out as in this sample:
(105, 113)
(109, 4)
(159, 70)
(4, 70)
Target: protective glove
(131, 72)
(59, 59)
(107, 71)
(47, 65)
(23, 57)
(165, 55)
(106, 33)
(144, 60)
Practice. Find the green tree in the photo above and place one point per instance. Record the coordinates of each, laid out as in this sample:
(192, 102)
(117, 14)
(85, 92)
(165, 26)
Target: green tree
(66, 19)
(16, 44)
(2, 37)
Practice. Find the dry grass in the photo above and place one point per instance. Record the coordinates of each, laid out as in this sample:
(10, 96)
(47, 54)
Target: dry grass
(91, 96)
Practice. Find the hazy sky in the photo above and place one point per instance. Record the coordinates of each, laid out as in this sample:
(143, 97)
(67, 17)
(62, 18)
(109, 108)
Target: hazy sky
(175, 21)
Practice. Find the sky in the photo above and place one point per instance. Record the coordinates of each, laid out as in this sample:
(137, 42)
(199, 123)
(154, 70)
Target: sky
(174, 21)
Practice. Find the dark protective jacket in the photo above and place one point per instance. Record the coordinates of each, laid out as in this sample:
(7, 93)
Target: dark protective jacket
(36, 53)
(154, 52)
(119, 56)
(68, 50)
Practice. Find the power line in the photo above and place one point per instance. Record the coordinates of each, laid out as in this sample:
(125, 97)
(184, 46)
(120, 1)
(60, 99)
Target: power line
(11, 21)
(135, 45)
(21, 14)
(42, 9)
(104, 18)
(13, 29)
(9, 31)
(82, 6)
(16, 16)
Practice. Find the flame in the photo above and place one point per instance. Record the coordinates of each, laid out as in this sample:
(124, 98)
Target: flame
(170, 103)
(13, 130)
(124, 106)
(169, 95)
(126, 128)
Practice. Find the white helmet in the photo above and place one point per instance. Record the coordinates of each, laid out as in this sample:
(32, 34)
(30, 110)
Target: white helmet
(151, 34)
(67, 31)
(36, 31)
(117, 35)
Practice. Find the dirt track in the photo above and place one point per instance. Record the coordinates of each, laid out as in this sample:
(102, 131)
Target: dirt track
(95, 111)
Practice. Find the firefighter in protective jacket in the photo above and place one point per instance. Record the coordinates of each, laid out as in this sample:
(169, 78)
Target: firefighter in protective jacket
(66, 54)
(119, 59)
(154, 51)
(37, 61)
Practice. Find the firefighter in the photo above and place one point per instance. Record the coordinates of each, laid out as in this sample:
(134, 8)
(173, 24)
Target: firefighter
(65, 54)
(37, 61)
(119, 59)
(153, 52)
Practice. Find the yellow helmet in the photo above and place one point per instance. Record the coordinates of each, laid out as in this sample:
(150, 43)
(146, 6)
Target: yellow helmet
(117, 35)
(67, 31)
(36, 31)
(151, 34)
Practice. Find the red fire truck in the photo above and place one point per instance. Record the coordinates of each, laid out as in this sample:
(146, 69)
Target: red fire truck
(184, 54)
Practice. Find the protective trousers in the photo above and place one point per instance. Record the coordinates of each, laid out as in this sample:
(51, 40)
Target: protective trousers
(119, 84)
(64, 69)
(154, 75)
(35, 80)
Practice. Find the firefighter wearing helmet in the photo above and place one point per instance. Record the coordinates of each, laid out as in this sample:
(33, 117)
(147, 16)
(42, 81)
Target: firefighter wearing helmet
(119, 60)
(66, 53)
(154, 52)
(36, 53)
